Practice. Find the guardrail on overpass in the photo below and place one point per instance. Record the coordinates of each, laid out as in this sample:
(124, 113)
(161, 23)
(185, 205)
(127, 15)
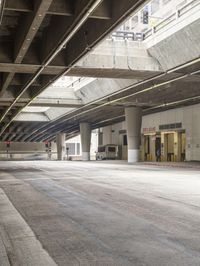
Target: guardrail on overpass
(141, 36)
(173, 17)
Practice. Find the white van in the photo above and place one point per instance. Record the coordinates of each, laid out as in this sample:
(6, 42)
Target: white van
(107, 152)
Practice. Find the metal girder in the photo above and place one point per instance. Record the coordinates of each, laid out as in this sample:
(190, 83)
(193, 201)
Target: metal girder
(58, 8)
(25, 36)
(66, 25)
(57, 103)
(29, 68)
(5, 137)
(20, 6)
(28, 30)
(28, 129)
(46, 103)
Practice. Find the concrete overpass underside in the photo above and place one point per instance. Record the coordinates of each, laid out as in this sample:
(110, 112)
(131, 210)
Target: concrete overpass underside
(126, 73)
(41, 41)
(158, 93)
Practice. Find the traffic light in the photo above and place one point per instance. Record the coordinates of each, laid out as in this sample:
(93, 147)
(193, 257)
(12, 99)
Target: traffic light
(46, 144)
(145, 17)
(7, 143)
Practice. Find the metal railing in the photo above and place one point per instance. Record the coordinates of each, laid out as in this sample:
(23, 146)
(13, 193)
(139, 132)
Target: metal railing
(141, 36)
(173, 17)
(130, 35)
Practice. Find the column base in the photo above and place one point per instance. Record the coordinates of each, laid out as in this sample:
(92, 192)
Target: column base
(133, 156)
(60, 158)
(85, 156)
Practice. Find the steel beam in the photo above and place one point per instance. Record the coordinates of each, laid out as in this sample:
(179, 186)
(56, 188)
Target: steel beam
(25, 36)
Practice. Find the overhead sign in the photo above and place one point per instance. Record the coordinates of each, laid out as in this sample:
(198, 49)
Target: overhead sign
(146, 130)
(170, 126)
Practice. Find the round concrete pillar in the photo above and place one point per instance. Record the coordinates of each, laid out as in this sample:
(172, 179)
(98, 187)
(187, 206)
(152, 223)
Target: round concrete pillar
(133, 125)
(85, 130)
(107, 135)
(61, 146)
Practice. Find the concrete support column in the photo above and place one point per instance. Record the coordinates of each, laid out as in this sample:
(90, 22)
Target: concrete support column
(107, 135)
(153, 147)
(163, 146)
(143, 148)
(85, 130)
(100, 137)
(61, 146)
(133, 125)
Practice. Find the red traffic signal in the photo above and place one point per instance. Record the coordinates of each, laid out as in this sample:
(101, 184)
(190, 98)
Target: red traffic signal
(8, 143)
(46, 143)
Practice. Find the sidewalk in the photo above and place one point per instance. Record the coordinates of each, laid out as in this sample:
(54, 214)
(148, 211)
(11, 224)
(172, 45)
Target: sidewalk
(193, 165)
